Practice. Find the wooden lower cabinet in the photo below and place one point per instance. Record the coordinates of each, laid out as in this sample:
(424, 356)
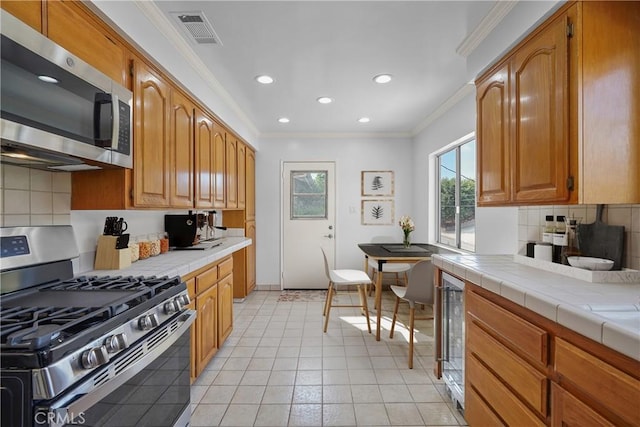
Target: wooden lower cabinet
(211, 293)
(526, 370)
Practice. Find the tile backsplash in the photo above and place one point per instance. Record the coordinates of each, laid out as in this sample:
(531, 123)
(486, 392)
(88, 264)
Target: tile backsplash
(531, 221)
(34, 197)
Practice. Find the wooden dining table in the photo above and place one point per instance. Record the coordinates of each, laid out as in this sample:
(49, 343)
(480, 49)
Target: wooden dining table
(383, 253)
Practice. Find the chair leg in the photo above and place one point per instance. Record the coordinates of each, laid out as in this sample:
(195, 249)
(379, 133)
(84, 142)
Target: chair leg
(328, 309)
(411, 324)
(365, 306)
(395, 316)
(326, 301)
(373, 281)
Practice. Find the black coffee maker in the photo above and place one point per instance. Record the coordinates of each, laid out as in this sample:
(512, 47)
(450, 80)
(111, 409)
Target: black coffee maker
(184, 230)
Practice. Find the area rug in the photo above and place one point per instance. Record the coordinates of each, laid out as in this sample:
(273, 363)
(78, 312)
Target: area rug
(302, 296)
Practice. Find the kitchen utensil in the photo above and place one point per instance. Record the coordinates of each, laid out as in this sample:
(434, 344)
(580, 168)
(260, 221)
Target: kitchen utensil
(109, 224)
(590, 263)
(122, 241)
(600, 240)
(119, 226)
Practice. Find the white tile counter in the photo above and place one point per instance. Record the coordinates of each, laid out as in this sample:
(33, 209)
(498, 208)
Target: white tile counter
(608, 313)
(177, 263)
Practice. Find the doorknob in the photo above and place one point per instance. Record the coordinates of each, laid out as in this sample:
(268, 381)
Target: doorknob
(329, 236)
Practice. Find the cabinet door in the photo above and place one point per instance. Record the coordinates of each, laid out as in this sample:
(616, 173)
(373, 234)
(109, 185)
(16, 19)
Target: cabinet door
(231, 174)
(151, 147)
(219, 152)
(29, 12)
(540, 103)
(225, 307)
(182, 148)
(250, 186)
(242, 177)
(70, 26)
(494, 177)
(205, 176)
(250, 232)
(207, 326)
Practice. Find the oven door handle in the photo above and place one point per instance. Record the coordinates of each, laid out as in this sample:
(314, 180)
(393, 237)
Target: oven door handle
(85, 396)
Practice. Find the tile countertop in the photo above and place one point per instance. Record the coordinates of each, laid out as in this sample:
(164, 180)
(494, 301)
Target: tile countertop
(608, 313)
(176, 263)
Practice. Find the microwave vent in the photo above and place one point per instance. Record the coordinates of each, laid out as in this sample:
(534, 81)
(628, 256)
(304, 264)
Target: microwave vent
(198, 27)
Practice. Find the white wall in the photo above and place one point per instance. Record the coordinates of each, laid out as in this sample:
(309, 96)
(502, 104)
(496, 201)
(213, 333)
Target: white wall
(496, 228)
(351, 157)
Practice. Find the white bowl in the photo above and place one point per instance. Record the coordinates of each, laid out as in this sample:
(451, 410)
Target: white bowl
(589, 263)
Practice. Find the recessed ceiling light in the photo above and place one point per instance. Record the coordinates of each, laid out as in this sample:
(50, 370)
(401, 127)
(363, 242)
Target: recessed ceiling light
(364, 120)
(48, 79)
(382, 78)
(284, 120)
(264, 79)
(325, 100)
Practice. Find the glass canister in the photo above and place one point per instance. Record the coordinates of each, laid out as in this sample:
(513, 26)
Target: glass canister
(135, 249)
(145, 247)
(164, 243)
(155, 244)
(572, 247)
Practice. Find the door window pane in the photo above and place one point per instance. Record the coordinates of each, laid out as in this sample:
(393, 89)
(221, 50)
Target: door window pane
(308, 194)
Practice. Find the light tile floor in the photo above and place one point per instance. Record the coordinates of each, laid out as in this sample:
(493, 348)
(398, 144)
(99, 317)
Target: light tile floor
(278, 368)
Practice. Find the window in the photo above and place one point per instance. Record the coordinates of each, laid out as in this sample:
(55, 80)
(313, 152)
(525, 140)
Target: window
(308, 194)
(457, 196)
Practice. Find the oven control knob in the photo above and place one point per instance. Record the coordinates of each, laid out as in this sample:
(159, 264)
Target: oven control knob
(184, 299)
(94, 357)
(116, 342)
(171, 307)
(148, 321)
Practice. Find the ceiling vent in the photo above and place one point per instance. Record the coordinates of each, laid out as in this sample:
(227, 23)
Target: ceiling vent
(198, 27)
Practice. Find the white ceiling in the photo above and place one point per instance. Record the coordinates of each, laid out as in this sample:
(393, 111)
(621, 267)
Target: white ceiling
(334, 48)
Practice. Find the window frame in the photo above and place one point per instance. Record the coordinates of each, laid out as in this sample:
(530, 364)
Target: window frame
(293, 194)
(453, 147)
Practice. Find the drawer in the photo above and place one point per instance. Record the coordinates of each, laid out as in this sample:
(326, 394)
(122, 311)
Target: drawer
(477, 412)
(522, 335)
(504, 403)
(207, 279)
(529, 383)
(225, 267)
(613, 388)
(569, 411)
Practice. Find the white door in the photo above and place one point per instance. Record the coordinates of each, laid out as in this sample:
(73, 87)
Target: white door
(308, 223)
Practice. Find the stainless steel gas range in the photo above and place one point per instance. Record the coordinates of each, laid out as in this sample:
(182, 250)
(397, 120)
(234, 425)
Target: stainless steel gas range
(98, 351)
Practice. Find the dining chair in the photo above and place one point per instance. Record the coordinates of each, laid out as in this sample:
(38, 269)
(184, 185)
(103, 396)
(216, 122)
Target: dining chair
(396, 268)
(344, 279)
(419, 290)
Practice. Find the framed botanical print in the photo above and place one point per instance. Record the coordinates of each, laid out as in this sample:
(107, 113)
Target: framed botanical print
(377, 212)
(377, 183)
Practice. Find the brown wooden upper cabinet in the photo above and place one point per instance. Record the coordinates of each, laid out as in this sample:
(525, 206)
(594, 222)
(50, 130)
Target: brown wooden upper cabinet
(242, 175)
(69, 25)
(151, 97)
(231, 174)
(536, 143)
(204, 132)
(29, 12)
(219, 164)
(182, 151)
(250, 185)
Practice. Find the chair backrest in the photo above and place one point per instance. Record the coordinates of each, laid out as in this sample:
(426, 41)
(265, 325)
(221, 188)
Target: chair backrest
(326, 264)
(420, 286)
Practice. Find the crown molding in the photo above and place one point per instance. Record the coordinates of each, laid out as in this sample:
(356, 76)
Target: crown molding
(166, 28)
(336, 135)
(444, 107)
(497, 13)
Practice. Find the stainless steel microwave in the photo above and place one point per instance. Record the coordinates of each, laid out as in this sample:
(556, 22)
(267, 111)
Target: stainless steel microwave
(57, 111)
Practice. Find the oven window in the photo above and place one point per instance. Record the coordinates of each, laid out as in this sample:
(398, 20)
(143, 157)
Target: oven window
(156, 396)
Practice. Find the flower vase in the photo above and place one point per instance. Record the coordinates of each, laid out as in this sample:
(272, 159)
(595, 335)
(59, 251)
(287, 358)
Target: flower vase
(407, 240)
